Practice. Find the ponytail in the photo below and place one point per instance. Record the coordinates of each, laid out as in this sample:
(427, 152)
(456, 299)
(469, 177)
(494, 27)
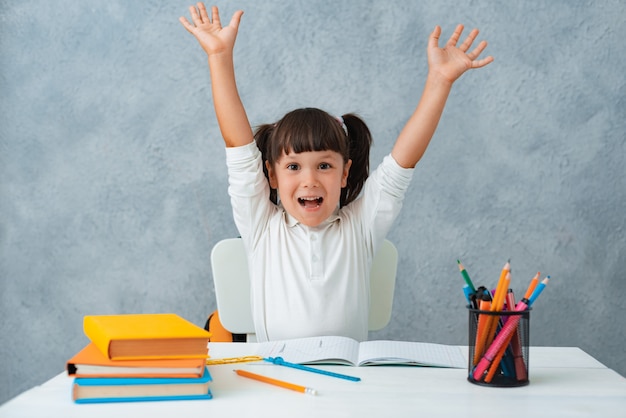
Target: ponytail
(360, 141)
(262, 139)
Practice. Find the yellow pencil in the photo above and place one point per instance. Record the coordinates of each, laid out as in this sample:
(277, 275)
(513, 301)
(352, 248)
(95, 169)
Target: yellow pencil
(276, 382)
(498, 303)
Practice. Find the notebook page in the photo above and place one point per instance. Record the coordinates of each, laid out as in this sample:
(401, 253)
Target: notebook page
(416, 353)
(332, 350)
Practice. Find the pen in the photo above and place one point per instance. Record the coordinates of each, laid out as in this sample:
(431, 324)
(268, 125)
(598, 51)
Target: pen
(276, 382)
(468, 295)
(466, 276)
(507, 331)
(516, 347)
(279, 361)
(499, 359)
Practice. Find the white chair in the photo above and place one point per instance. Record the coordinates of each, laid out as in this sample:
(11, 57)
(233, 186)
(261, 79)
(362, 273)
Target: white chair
(232, 286)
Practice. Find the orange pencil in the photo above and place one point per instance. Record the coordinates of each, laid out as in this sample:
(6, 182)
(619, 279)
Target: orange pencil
(496, 361)
(502, 288)
(485, 336)
(531, 287)
(276, 382)
(498, 304)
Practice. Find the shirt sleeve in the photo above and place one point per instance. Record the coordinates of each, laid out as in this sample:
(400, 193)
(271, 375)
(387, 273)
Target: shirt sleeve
(248, 190)
(382, 198)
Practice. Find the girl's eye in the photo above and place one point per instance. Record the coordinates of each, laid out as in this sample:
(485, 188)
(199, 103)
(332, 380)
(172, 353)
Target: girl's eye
(292, 166)
(324, 166)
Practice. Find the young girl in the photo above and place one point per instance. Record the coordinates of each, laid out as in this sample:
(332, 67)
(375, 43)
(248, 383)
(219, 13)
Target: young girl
(310, 217)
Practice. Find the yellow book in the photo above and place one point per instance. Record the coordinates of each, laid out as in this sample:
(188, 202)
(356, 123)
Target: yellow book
(146, 336)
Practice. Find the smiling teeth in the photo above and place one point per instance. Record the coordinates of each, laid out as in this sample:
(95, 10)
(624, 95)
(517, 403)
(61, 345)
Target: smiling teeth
(307, 201)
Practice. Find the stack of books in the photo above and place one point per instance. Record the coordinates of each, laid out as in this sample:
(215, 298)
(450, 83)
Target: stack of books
(140, 357)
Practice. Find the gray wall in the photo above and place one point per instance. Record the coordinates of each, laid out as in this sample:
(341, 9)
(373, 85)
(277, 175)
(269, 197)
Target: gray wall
(113, 183)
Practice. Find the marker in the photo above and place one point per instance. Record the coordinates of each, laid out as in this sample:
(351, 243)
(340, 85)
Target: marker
(279, 361)
(466, 276)
(507, 369)
(481, 332)
(518, 357)
(276, 382)
(468, 294)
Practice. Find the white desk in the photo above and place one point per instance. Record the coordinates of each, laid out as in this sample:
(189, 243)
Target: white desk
(563, 382)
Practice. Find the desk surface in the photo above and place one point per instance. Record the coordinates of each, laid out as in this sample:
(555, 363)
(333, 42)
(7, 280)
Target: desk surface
(563, 382)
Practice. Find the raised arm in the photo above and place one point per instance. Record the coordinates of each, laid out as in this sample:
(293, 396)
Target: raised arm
(445, 66)
(218, 43)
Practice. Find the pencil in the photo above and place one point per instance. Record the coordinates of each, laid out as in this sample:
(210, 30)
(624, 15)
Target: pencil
(505, 333)
(276, 382)
(466, 276)
(498, 303)
(533, 284)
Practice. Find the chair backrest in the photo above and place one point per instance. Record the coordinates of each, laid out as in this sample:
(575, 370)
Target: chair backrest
(232, 286)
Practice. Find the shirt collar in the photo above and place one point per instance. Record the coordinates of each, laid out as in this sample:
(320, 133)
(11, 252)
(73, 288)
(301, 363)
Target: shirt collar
(291, 221)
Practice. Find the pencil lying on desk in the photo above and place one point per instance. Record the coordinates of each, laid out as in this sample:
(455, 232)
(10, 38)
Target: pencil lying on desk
(276, 382)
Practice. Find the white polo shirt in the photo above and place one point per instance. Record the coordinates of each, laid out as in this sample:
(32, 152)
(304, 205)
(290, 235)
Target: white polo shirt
(311, 281)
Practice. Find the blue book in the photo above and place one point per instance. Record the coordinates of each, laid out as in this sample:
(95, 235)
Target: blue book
(137, 389)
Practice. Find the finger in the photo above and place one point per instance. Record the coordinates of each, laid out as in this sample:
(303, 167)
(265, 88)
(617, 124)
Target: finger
(215, 15)
(454, 38)
(482, 62)
(469, 40)
(234, 22)
(195, 17)
(186, 24)
(433, 40)
(477, 51)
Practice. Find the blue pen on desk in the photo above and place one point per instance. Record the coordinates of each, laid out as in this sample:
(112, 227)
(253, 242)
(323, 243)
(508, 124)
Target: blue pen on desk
(279, 361)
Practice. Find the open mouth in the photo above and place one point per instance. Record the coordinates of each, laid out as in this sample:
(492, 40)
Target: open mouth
(310, 202)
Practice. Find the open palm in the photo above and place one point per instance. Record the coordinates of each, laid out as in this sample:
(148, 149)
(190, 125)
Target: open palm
(213, 38)
(452, 61)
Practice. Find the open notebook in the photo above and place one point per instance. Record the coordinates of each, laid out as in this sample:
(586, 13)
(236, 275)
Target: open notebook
(343, 350)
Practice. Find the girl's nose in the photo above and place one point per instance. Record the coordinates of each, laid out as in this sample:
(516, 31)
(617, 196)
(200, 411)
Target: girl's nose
(309, 178)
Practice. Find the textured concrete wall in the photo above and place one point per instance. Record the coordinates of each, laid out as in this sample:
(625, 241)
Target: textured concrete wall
(113, 184)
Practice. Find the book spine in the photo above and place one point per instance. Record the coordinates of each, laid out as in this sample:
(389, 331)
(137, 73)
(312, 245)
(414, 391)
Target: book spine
(208, 395)
(97, 335)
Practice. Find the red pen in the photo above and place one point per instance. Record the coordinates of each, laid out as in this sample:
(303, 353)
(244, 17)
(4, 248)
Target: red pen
(506, 332)
(518, 357)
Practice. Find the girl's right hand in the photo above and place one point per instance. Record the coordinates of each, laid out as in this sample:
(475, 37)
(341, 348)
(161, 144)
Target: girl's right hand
(213, 38)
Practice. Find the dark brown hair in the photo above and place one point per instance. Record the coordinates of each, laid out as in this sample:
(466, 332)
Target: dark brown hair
(311, 129)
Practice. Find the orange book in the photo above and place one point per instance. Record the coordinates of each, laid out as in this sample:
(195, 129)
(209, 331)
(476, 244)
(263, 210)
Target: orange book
(146, 336)
(90, 362)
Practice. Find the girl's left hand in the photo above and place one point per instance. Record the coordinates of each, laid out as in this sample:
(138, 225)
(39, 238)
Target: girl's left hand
(451, 61)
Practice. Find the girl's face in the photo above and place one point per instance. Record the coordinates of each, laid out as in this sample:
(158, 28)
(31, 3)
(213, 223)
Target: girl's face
(309, 183)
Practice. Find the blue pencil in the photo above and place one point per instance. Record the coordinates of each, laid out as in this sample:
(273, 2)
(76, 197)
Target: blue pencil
(279, 361)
